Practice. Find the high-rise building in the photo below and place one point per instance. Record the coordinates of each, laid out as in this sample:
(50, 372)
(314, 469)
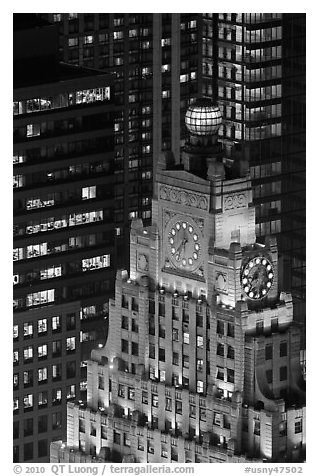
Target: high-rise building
(64, 243)
(202, 359)
(156, 61)
(254, 65)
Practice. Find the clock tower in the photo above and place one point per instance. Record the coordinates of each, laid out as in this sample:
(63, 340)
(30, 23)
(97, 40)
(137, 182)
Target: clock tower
(202, 358)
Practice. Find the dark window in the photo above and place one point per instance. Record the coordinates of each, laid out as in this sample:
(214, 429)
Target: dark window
(28, 427)
(16, 454)
(283, 349)
(134, 326)
(56, 420)
(101, 382)
(168, 404)
(28, 451)
(15, 429)
(283, 373)
(230, 352)
(134, 348)
(70, 369)
(125, 346)
(151, 307)
(117, 437)
(42, 423)
(220, 328)
(268, 352)
(70, 321)
(178, 407)
(298, 426)
(259, 327)
(134, 304)
(220, 349)
(152, 351)
(151, 326)
(175, 358)
(161, 331)
(42, 448)
(161, 354)
(269, 375)
(230, 330)
(125, 322)
(230, 376)
(199, 320)
(161, 309)
(186, 361)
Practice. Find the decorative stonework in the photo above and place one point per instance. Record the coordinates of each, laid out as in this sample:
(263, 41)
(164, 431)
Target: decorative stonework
(235, 201)
(189, 199)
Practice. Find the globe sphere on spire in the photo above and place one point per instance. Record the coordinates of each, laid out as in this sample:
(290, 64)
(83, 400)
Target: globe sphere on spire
(203, 117)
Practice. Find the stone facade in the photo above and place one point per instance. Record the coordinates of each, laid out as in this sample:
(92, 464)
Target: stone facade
(197, 368)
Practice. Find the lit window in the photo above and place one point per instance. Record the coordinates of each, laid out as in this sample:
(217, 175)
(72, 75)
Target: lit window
(42, 398)
(33, 130)
(27, 330)
(88, 192)
(15, 404)
(155, 401)
(52, 272)
(70, 391)
(185, 337)
(56, 323)
(200, 365)
(147, 175)
(73, 42)
(70, 344)
(18, 159)
(42, 374)
(166, 94)
(28, 401)
(200, 342)
(96, 262)
(15, 356)
(42, 351)
(132, 215)
(200, 386)
(41, 297)
(132, 33)
(118, 35)
(165, 42)
(28, 353)
(165, 68)
(73, 16)
(18, 181)
(15, 332)
(88, 39)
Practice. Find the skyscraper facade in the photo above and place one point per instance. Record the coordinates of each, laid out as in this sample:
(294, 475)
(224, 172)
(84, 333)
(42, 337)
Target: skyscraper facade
(202, 362)
(64, 242)
(155, 60)
(254, 64)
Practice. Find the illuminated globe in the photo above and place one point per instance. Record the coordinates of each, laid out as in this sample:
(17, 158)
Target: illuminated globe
(203, 117)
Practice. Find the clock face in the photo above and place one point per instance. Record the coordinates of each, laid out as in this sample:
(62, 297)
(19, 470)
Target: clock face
(184, 244)
(257, 277)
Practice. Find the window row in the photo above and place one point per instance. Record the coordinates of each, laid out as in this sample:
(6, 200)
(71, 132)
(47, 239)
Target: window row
(42, 350)
(27, 329)
(41, 375)
(48, 224)
(85, 96)
(28, 401)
